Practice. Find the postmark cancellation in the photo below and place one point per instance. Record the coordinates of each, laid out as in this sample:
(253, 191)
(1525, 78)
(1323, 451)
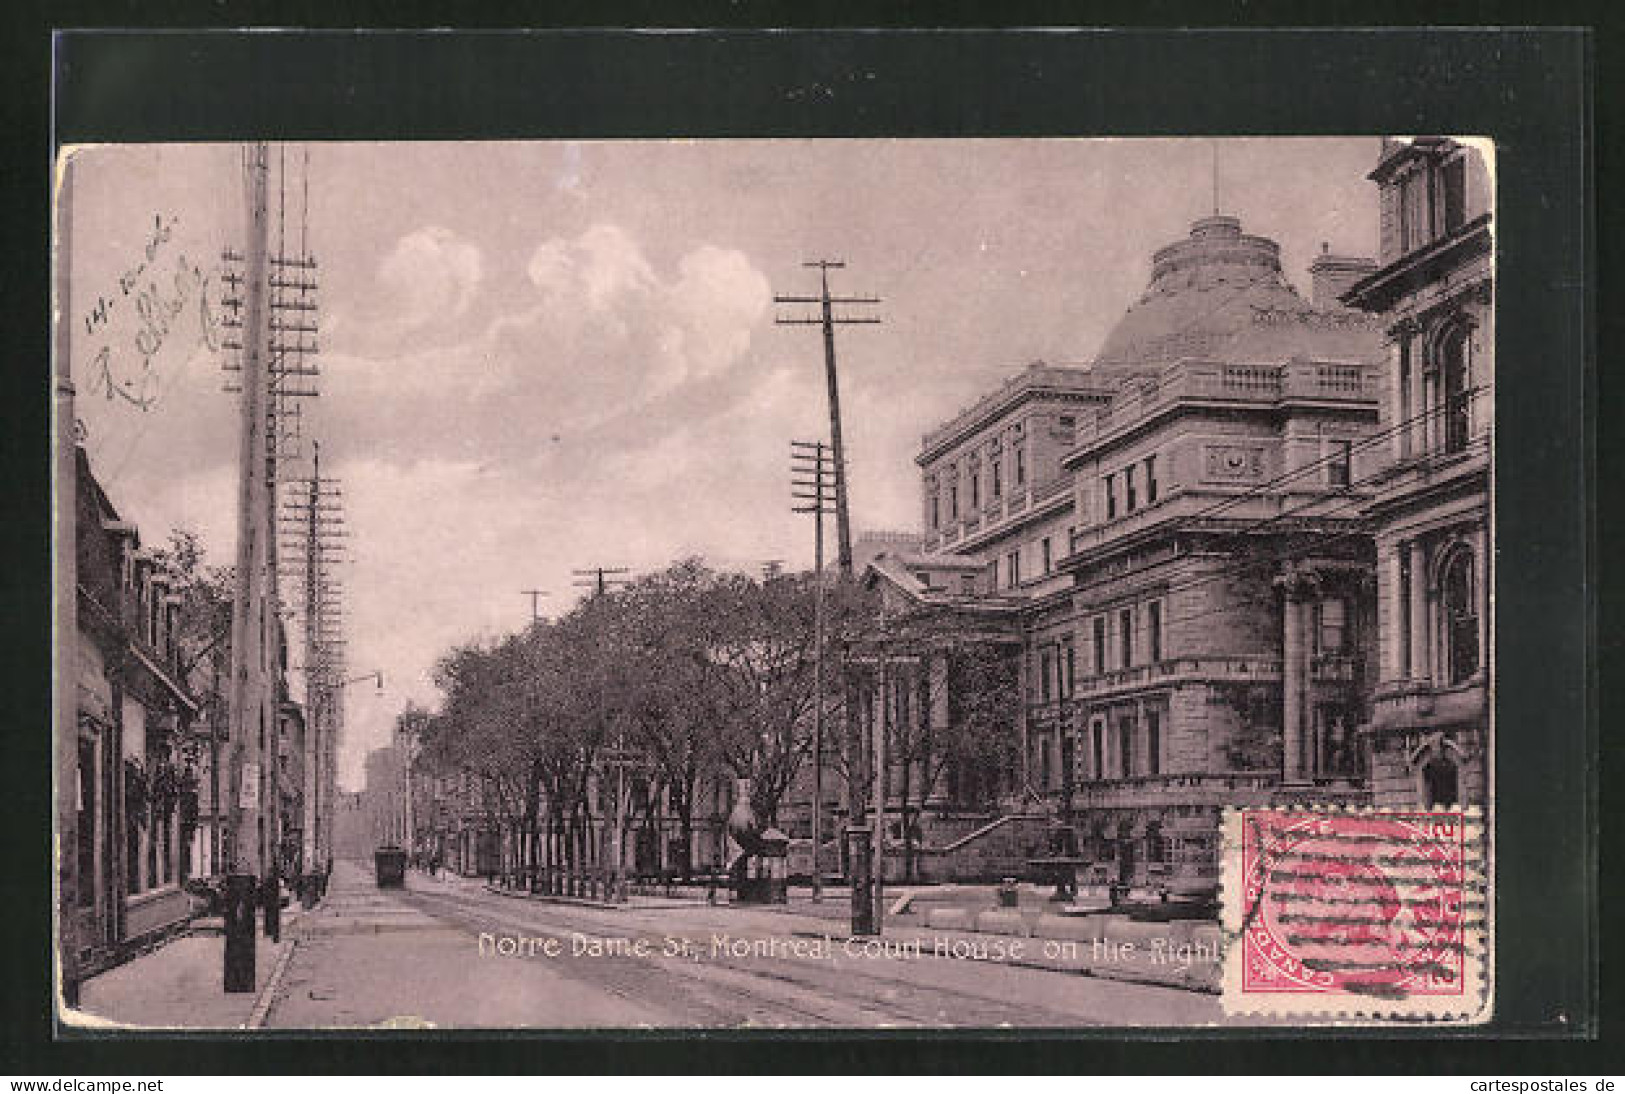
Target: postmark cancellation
(1357, 915)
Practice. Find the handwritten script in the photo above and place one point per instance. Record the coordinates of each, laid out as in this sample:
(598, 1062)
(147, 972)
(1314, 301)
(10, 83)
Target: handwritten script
(155, 292)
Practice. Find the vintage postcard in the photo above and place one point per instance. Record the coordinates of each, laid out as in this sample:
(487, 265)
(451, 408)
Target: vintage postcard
(787, 583)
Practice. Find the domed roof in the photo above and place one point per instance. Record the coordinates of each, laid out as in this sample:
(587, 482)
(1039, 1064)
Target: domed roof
(1221, 294)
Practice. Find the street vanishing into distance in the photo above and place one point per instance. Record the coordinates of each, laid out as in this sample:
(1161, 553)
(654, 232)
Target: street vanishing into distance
(456, 953)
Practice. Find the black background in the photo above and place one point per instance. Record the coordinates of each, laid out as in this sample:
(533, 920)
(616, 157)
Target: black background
(1529, 89)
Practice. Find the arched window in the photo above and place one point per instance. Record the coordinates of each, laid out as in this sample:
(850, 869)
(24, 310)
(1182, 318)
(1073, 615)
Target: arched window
(1455, 392)
(1458, 600)
(1439, 783)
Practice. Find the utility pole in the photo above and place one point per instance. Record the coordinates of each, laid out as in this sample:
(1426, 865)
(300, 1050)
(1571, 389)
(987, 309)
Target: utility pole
(828, 321)
(535, 603)
(882, 718)
(811, 470)
(600, 579)
(248, 666)
(312, 526)
(858, 846)
(272, 310)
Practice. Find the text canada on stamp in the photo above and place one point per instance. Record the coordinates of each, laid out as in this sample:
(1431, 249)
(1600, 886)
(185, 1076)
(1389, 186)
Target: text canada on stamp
(1359, 914)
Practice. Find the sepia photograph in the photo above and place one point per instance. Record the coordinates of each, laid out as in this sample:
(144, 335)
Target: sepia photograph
(710, 584)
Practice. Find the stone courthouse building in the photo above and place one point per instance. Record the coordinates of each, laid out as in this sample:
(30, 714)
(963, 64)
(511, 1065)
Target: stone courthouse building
(1429, 724)
(1176, 537)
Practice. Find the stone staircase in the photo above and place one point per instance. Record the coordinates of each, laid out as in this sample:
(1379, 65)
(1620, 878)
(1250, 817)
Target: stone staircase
(996, 849)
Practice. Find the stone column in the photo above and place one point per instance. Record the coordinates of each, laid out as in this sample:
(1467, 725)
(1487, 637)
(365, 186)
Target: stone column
(1421, 662)
(1393, 591)
(1417, 430)
(1294, 676)
(1481, 598)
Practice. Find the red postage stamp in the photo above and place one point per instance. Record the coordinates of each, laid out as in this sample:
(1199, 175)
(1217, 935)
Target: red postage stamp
(1359, 913)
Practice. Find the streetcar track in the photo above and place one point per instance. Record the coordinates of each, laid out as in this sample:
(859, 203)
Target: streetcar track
(460, 912)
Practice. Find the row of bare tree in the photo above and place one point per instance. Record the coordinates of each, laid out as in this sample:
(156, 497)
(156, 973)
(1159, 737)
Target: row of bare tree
(687, 675)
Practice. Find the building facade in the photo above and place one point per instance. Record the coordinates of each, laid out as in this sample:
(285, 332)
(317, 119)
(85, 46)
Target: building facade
(1429, 724)
(136, 773)
(1181, 527)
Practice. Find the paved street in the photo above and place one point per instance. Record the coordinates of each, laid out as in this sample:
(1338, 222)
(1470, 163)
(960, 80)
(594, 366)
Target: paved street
(451, 953)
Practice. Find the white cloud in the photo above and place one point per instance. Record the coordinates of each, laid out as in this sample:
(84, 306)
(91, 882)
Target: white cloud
(430, 275)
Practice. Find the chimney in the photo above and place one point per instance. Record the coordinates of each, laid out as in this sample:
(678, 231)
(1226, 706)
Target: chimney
(1332, 275)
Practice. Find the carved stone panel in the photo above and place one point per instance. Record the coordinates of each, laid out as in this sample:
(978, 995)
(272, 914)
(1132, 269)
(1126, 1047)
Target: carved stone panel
(1233, 461)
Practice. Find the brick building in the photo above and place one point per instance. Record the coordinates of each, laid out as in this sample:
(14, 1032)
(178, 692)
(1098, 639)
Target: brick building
(1429, 723)
(1174, 537)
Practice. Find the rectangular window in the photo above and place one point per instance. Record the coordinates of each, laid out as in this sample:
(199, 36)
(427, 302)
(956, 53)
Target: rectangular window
(1070, 669)
(993, 575)
(1098, 732)
(1048, 561)
(1413, 211)
(1021, 467)
(1043, 763)
(1332, 630)
(975, 490)
(1100, 644)
(1125, 627)
(1014, 563)
(953, 501)
(1150, 480)
(1455, 193)
(1337, 466)
(936, 512)
(1153, 742)
(1111, 497)
(1153, 626)
(997, 469)
(1045, 666)
(1130, 502)
(1125, 747)
(1406, 410)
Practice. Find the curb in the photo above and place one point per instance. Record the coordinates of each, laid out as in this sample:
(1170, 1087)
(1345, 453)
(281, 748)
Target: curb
(262, 1003)
(588, 902)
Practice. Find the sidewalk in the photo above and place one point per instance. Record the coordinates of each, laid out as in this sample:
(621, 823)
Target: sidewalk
(181, 985)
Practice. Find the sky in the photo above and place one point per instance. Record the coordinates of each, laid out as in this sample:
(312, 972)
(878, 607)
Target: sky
(545, 356)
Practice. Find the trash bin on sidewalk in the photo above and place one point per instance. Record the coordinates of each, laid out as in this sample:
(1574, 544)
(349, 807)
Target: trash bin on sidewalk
(390, 864)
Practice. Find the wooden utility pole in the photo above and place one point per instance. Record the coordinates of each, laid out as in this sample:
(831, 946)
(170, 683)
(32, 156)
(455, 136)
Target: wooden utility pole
(535, 603)
(828, 321)
(810, 470)
(600, 579)
(312, 526)
(859, 847)
(249, 663)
